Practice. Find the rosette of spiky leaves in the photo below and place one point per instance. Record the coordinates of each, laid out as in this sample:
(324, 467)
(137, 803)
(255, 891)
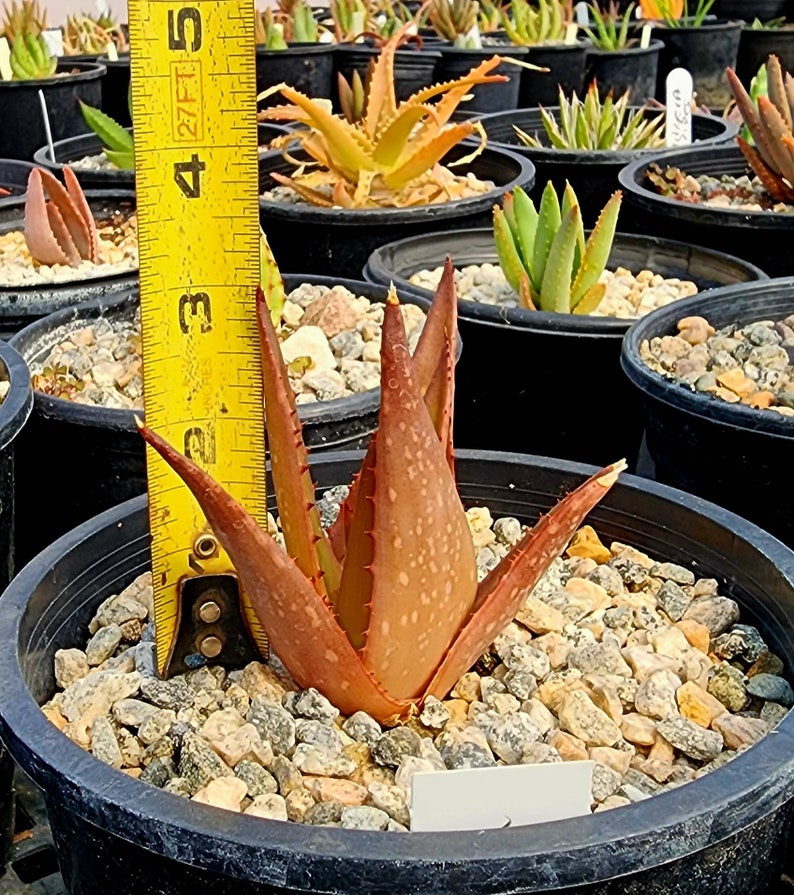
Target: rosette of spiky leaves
(26, 17)
(490, 18)
(543, 252)
(391, 155)
(676, 13)
(84, 34)
(30, 59)
(655, 10)
(610, 29)
(769, 120)
(117, 142)
(384, 609)
(268, 32)
(352, 18)
(593, 124)
(455, 21)
(61, 230)
(544, 22)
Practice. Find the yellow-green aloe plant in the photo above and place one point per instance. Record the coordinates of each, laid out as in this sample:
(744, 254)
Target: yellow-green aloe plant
(545, 22)
(543, 252)
(384, 609)
(30, 58)
(390, 156)
(593, 124)
(769, 120)
(456, 21)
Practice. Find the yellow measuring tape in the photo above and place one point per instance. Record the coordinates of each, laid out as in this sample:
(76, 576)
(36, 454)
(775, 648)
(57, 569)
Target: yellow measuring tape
(194, 115)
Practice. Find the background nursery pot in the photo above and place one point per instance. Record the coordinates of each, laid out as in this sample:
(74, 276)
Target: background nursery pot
(456, 62)
(23, 127)
(308, 67)
(758, 236)
(14, 178)
(543, 382)
(632, 68)
(705, 51)
(413, 69)
(757, 44)
(101, 446)
(729, 453)
(337, 241)
(20, 305)
(565, 64)
(75, 148)
(728, 827)
(593, 174)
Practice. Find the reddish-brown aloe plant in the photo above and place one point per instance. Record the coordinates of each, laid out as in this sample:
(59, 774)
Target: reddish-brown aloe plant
(61, 230)
(384, 609)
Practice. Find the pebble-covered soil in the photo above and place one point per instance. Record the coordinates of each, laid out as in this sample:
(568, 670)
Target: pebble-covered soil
(118, 252)
(330, 339)
(626, 296)
(634, 663)
(98, 162)
(751, 364)
(739, 193)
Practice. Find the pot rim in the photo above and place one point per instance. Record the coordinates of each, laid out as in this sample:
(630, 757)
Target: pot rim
(18, 402)
(668, 826)
(524, 176)
(121, 419)
(313, 48)
(88, 71)
(679, 395)
(631, 179)
(31, 289)
(655, 46)
(540, 321)
(718, 25)
(549, 155)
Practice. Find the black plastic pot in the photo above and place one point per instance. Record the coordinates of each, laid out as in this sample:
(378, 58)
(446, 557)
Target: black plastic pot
(307, 67)
(456, 62)
(756, 45)
(23, 130)
(727, 828)
(593, 174)
(21, 305)
(267, 131)
(336, 241)
(14, 178)
(566, 65)
(729, 453)
(116, 88)
(705, 51)
(101, 447)
(633, 69)
(758, 236)
(542, 382)
(413, 69)
(765, 10)
(75, 148)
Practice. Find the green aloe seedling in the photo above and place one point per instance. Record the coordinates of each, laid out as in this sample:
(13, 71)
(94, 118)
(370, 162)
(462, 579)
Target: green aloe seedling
(543, 252)
(542, 23)
(117, 141)
(30, 60)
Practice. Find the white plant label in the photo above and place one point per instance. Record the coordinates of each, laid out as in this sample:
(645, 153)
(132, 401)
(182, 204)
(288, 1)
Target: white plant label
(494, 798)
(645, 37)
(678, 111)
(102, 8)
(570, 33)
(111, 52)
(53, 38)
(582, 15)
(5, 64)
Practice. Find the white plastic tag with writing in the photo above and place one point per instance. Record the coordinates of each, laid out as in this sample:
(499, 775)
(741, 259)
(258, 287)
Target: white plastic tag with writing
(645, 37)
(53, 38)
(678, 108)
(494, 798)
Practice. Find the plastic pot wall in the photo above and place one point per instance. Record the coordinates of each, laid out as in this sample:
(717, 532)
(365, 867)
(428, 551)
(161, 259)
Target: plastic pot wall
(756, 46)
(14, 179)
(413, 69)
(618, 71)
(705, 51)
(731, 454)
(542, 382)
(457, 63)
(306, 67)
(23, 132)
(565, 64)
(21, 305)
(100, 446)
(722, 833)
(592, 174)
(337, 242)
(760, 237)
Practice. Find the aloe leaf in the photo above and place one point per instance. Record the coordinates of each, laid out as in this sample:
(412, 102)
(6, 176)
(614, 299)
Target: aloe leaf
(555, 291)
(570, 201)
(112, 134)
(509, 258)
(548, 224)
(597, 249)
(524, 226)
(502, 592)
(124, 161)
(591, 299)
(270, 281)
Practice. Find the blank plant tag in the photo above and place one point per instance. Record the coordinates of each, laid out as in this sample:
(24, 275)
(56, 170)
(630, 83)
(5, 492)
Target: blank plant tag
(111, 52)
(570, 33)
(494, 798)
(678, 111)
(5, 65)
(645, 37)
(53, 38)
(582, 15)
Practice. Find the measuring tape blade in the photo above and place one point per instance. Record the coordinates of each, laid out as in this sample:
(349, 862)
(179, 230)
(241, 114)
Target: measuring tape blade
(194, 114)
